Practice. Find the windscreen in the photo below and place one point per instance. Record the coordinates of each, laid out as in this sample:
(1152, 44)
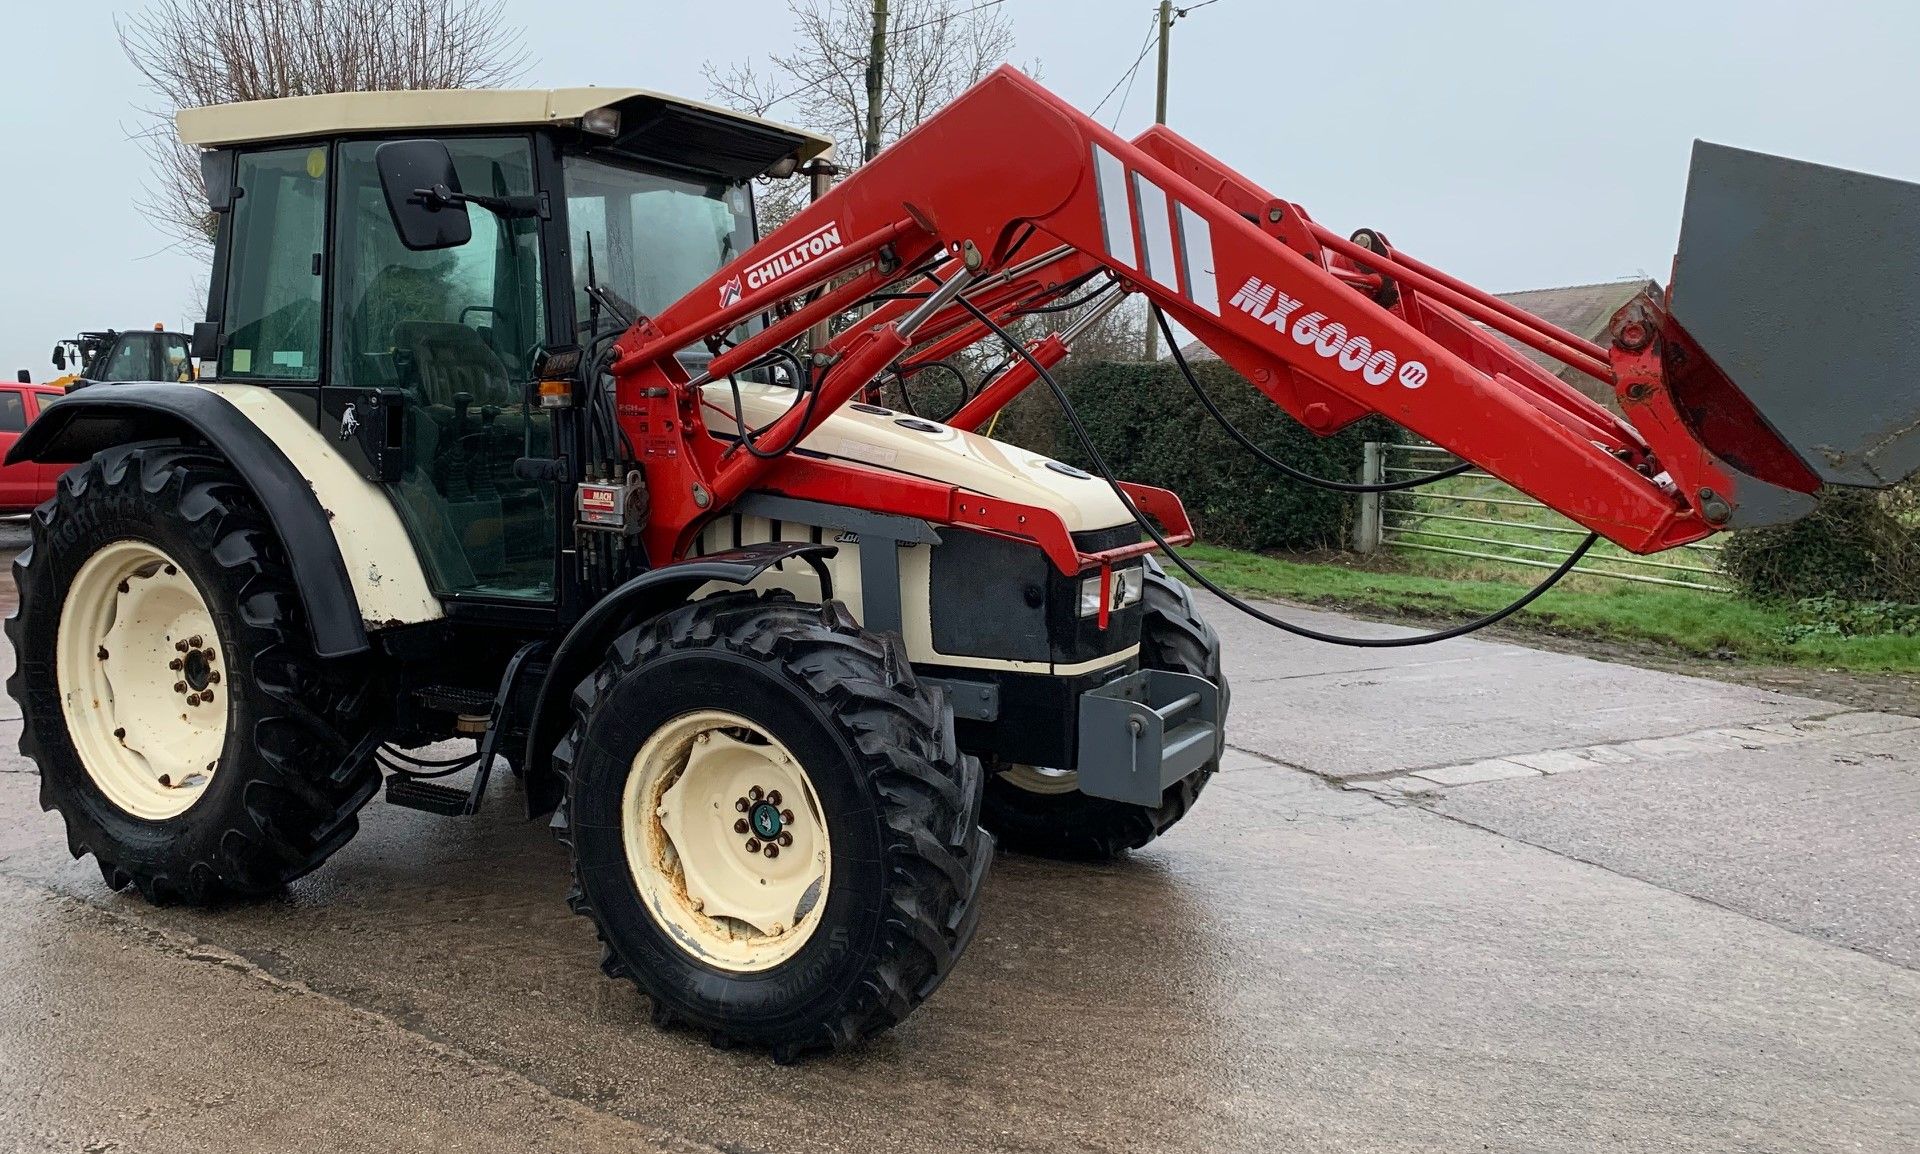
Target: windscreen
(652, 237)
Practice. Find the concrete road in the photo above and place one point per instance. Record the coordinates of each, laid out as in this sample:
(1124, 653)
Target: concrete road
(1464, 897)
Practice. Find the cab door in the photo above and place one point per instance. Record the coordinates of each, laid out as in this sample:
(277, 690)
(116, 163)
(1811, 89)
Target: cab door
(429, 372)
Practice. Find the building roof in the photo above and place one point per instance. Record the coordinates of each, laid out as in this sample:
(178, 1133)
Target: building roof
(342, 113)
(1582, 309)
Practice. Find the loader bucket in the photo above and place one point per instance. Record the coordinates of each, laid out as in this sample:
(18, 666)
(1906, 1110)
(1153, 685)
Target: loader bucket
(1802, 284)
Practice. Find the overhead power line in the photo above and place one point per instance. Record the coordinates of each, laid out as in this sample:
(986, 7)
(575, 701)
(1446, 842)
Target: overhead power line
(1146, 46)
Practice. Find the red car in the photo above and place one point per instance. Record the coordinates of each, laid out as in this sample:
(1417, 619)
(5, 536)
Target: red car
(25, 485)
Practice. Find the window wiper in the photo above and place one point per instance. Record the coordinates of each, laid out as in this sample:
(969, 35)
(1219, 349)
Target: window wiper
(599, 297)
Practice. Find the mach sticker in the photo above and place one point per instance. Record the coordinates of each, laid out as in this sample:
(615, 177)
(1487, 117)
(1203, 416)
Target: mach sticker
(1352, 352)
(730, 293)
(799, 254)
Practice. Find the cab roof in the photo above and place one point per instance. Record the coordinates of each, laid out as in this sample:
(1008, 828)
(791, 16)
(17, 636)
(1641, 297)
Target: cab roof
(652, 124)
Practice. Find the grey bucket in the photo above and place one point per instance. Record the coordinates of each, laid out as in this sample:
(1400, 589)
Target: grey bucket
(1802, 283)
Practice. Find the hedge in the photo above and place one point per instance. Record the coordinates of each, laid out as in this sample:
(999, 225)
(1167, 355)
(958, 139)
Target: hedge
(1858, 545)
(1149, 427)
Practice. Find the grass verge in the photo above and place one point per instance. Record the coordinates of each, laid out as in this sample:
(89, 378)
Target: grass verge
(1697, 624)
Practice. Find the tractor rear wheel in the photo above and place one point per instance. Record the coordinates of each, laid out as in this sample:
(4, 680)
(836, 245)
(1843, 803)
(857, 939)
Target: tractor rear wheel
(772, 826)
(1041, 811)
(169, 694)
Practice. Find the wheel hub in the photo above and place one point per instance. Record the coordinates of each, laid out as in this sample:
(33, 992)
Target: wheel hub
(725, 840)
(139, 679)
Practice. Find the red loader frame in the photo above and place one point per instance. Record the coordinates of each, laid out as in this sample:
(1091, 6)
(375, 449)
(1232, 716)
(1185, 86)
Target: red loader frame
(1011, 198)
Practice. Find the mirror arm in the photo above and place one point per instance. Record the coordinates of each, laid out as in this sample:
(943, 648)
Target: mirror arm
(507, 207)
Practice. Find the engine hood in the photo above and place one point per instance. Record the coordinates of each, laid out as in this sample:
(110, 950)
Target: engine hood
(899, 443)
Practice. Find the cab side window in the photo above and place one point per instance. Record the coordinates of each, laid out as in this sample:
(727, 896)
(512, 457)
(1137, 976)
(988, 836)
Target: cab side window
(130, 360)
(13, 411)
(273, 284)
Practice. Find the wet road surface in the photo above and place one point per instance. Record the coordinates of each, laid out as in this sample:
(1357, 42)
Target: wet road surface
(1382, 929)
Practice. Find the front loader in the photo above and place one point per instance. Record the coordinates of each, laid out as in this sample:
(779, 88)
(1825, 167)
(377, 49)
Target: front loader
(511, 430)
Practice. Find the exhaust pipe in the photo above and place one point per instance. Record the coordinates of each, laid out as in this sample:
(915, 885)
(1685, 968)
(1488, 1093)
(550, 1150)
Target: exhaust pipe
(1801, 284)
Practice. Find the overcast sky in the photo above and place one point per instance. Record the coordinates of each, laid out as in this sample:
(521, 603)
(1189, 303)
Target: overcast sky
(1520, 145)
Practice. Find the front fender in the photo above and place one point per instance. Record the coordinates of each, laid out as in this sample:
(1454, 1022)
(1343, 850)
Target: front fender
(324, 513)
(648, 595)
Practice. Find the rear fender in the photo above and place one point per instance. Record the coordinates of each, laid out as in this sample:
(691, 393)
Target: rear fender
(350, 554)
(646, 596)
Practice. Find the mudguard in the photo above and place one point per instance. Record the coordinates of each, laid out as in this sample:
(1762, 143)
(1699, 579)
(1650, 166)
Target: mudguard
(350, 554)
(648, 595)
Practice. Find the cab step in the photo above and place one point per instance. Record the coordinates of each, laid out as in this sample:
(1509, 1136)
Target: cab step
(432, 797)
(454, 699)
(505, 713)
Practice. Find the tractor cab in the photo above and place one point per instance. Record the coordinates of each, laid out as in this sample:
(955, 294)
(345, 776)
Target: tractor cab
(418, 357)
(112, 356)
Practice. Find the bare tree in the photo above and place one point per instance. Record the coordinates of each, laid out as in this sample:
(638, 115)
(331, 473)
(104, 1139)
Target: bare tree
(936, 49)
(197, 52)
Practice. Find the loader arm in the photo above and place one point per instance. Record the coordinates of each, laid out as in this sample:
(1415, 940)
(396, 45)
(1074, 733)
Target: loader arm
(1331, 329)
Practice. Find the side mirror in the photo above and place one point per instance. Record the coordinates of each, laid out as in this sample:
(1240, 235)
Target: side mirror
(205, 344)
(60, 357)
(24, 377)
(423, 194)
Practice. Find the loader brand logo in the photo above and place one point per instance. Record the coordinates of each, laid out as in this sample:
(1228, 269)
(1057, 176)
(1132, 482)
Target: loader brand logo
(1351, 351)
(730, 293)
(596, 499)
(799, 254)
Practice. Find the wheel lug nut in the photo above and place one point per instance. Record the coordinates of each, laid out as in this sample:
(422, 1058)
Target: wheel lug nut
(772, 850)
(181, 646)
(102, 655)
(740, 805)
(773, 797)
(193, 699)
(176, 664)
(786, 838)
(206, 695)
(194, 641)
(179, 687)
(755, 794)
(209, 653)
(786, 816)
(740, 826)
(213, 677)
(753, 845)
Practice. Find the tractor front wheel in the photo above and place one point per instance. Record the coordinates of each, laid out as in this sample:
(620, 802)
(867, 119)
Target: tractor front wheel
(169, 694)
(772, 826)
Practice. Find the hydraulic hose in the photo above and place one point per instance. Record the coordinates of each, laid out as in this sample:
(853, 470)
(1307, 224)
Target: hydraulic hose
(1100, 465)
(1275, 463)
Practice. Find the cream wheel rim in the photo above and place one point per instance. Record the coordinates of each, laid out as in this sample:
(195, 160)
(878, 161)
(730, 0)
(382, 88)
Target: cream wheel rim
(726, 841)
(138, 664)
(1041, 779)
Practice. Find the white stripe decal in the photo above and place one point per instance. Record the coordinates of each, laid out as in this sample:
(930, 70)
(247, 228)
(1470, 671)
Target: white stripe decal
(1157, 227)
(1110, 178)
(1196, 259)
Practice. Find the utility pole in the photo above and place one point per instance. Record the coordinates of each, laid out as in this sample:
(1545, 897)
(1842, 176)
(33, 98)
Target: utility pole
(1159, 117)
(876, 78)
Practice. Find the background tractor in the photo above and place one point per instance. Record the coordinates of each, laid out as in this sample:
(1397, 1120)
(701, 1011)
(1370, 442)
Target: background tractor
(133, 355)
(511, 429)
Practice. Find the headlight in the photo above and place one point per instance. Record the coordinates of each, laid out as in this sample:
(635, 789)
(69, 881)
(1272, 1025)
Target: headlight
(1126, 589)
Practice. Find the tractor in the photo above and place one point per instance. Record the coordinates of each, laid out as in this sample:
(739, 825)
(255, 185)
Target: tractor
(512, 430)
(131, 355)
